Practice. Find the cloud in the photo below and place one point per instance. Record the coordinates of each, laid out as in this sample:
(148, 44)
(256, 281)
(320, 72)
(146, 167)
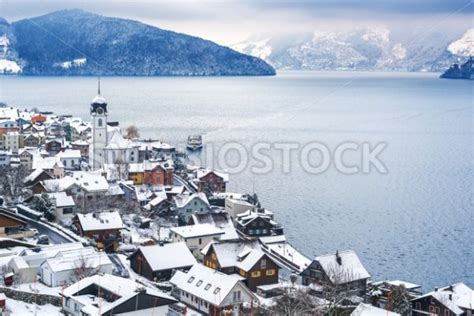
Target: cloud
(228, 21)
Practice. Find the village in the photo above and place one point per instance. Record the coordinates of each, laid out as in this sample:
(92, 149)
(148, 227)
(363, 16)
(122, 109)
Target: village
(95, 220)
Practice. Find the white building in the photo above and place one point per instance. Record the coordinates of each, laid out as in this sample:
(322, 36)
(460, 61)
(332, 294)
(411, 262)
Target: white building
(11, 141)
(70, 158)
(196, 237)
(69, 267)
(212, 292)
(237, 206)
(104, 294)
(64, 206)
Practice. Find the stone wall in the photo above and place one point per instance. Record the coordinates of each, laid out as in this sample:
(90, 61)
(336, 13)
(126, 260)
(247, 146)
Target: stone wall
(36, 298)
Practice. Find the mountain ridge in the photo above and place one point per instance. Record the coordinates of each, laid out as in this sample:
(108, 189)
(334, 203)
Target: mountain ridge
(77, 42)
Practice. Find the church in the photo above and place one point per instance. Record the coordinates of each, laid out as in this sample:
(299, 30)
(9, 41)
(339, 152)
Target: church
(108, 146)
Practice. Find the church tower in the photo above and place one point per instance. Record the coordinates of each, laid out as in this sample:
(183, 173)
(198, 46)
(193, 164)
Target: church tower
(99, 131)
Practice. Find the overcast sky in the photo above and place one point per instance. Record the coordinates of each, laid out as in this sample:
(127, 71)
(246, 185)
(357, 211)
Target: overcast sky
(229, 22)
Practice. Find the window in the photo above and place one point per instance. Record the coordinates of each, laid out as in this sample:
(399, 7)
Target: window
(100, 122)
(200, 241)
(263, 264)
(418, 305)
(76, 307)
(236, 296)
(199, 283)
(446, 312)
(68, 302)
(256, 274)
(217, 290)
(191, 279)
(242, 273)
(207, 287)
(270, 272)
(68, 210)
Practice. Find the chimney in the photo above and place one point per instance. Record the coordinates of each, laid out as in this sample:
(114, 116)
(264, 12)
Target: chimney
(436, 289)
(338, 258)
(450, 297)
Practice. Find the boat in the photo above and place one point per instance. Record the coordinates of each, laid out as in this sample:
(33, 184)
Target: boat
(194, 142)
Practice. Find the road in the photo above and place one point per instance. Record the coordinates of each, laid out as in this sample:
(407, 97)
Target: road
(54, 237)
(182, 182)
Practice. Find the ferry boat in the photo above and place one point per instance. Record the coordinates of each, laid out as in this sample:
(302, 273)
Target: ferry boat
(194, 142)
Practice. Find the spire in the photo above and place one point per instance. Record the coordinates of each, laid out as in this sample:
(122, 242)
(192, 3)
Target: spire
(98, 85)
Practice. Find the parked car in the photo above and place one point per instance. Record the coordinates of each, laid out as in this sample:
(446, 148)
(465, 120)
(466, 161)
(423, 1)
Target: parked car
(35, 231)
(43, 240)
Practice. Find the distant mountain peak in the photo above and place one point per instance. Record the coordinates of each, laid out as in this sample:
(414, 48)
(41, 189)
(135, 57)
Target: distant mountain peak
(464, 46)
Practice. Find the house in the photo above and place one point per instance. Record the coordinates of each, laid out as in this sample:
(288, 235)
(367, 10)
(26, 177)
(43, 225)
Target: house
(38, 118)
(257, 223)
(158, 262)
(218, 218)
(242, 258)
(70, 158)
(34, 257)
(237, 206)
(196, 237)
(26, 158)
(342, 271)
(64, 206)
(211, 181)
(82, 146)
(12, 227)
(53, 146)
(66, 184)
(369, 310)
(105, 294)
(151, 173)
(382, 291)
(23, 271)
(69, 267)
(93, 188)
(11, 141)
(455, 299)
(187, 204)
(212, 292)
(36, 176)
(31, 140)
(50, 164)
(104, 228)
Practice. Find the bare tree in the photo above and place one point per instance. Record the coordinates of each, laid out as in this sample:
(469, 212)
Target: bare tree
(11, 182)
(294, 302)
(121, 169)
(398, 300)
(82, 269)
(132, 132)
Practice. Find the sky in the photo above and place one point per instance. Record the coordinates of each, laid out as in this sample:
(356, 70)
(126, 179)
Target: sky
(229, 22)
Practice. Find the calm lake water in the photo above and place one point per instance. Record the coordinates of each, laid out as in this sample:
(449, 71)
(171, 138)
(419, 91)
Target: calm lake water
(414, 223)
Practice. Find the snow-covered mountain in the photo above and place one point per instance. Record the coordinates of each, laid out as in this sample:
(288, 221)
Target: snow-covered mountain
(368, 48)
(9, 61)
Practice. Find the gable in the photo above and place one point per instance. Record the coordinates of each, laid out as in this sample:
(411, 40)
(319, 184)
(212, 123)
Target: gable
(8, 221)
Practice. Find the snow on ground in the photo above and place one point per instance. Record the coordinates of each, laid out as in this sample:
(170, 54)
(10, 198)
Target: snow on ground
(73, 63)
(37, 287)
(19, 308)
(9, 66)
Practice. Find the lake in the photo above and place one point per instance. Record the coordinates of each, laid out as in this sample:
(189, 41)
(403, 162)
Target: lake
(414, 222)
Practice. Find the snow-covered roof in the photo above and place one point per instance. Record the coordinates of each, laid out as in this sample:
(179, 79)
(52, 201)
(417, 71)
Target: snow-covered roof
(454, 297)
(204, 172)
(348, 269)
(62, 199)
(100, 221)
(57, 185)
(98, 99)
(407, 285)
(168, 256)
(125, 289)
(182, 200)
(46, 163)
(369, 310)
(114, 189)
(93, 261)
(243, 255)
(208, 284)
(91, 182)
(195, 231)
(48, 251)
(117, 141)
(69, 154)
(32, 176)
(220, 220)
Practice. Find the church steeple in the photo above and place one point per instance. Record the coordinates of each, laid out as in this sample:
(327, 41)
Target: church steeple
(98, 85)
(98, 104)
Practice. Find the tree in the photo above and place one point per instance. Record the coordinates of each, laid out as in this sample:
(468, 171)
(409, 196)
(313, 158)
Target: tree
(45, 205)
(398, 300)
(294, 302)
(132, 132)
(121, 169)
(82, 269)
(11, 182)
